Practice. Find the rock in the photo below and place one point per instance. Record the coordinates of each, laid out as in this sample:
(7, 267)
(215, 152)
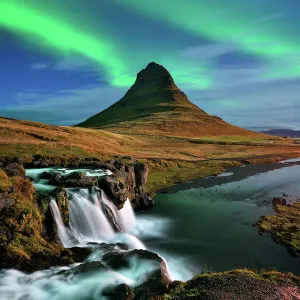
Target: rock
(141, 172)
(280, 201)
(6, 200)
(60, 194)
(48, 175)
(5, 183)
(75, 176)
(156, 280)
(119, 292)
(74, 179)
(114, 189)
(111, 217)
(53, 177)
(84, 269)
(128, 182)
(15, 169)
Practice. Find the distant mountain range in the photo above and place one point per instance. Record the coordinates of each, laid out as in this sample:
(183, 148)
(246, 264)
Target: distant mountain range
(283, 132)
(154, 105)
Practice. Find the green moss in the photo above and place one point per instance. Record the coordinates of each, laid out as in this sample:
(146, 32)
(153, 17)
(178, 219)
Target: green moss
(230, 285)
(62, 203)
(164, 174)
(4, 181)
(284, 226)
(21, 229)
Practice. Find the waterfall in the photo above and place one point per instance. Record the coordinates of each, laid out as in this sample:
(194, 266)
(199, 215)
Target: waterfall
(126, 216)
(88, 220)
(88, 223)
(64, 233)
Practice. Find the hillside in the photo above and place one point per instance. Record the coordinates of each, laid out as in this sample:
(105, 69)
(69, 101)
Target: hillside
(155, 105)
(283, 132)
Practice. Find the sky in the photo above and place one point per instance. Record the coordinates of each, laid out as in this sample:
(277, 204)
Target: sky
(64, 61)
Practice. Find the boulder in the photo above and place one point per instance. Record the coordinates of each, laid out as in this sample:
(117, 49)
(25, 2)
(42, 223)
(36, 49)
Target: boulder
(128, 182)
(74, 179)
(114, 189)
(119, 292)
(84, 269)
(155, 281)
(15, 169)
(280, 201)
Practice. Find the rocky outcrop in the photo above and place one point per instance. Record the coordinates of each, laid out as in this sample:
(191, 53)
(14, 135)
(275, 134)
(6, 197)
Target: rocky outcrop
(156, 280)
(128, 181)
(28, 240)
(236, 285)
(75, 179)
(6, 188)
(14, 169)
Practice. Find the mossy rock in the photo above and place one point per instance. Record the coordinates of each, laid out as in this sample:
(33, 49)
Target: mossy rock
(61, 197)
(5, 182)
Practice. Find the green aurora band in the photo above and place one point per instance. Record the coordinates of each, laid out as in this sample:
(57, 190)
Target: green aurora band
(234, 22)
(51, 31)
(65, 39)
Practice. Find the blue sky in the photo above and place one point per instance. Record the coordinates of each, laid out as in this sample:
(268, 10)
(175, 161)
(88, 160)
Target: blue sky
(63, 61)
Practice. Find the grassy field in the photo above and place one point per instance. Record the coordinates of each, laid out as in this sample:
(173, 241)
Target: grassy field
(171, 159)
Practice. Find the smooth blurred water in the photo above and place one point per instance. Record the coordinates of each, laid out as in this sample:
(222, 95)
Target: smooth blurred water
(212, 228)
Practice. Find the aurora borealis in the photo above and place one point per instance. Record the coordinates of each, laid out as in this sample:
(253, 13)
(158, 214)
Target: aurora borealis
(66, 60)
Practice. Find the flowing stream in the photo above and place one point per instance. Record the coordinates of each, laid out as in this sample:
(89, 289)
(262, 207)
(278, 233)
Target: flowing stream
(196, 229)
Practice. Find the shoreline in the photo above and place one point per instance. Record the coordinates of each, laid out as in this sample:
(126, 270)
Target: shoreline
(254, 165)
(239, 173)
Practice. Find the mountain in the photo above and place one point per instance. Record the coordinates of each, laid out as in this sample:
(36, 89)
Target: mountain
(155, 105)
(283, 132)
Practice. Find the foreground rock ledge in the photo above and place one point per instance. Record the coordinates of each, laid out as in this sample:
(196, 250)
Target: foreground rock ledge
(236, 285)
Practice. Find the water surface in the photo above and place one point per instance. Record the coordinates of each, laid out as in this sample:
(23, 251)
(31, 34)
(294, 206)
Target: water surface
(211, 228)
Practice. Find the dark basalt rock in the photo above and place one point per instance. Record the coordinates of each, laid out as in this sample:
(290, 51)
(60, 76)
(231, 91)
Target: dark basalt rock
(84, 269)
(128, 182)
(74, 179)
(156, 280)
(111, 217)
(119, 292)
(114, 189)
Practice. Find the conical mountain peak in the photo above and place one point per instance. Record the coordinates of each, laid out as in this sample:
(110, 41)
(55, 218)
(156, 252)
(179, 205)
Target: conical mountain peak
(155, 105)
(154, 76)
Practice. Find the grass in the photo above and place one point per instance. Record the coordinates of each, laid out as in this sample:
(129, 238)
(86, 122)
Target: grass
(23, 138)
(284, 226)
(164, 174)
(171, 158)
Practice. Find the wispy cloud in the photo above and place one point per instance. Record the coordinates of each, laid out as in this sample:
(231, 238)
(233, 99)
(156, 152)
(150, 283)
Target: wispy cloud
(64, 107)
(39, 66)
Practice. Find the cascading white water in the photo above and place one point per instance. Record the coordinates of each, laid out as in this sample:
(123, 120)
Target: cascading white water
(88, 220)
(126, 216)
(89, 224)
(64, 233)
